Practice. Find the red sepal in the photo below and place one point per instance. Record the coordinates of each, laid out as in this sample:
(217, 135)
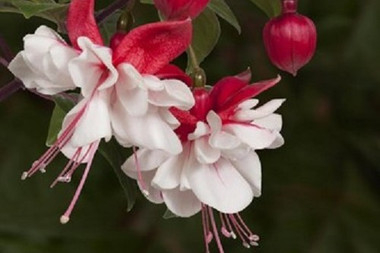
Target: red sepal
(171, 71)
(188, 123)
(81, 22)
(151, 47)
(248, 92)
(180, 9)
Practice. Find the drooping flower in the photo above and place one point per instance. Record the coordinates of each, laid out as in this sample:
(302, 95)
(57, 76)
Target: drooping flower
(120, 95)
(180, 9)
(218, 167)
(290, 39)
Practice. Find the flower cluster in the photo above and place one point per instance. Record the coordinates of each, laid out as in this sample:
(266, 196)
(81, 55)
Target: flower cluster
(194, 147)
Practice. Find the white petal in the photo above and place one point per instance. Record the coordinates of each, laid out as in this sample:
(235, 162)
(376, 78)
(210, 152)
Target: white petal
(236, 153)
(88, 70)
(18, 66)
(278, 142)
(153, 83)
(129, 91)
(220, 186)
(168, 174)
(181, 203)
(169, 118)
(148, 131)
(264, 110)
(214, 121)
(224, 140)
(250, 168)
(200, 130)
(95, 122)
(255, 137)
(204, 152)
(248, 104)
(272, 122)
(176, 93)
(147, 159)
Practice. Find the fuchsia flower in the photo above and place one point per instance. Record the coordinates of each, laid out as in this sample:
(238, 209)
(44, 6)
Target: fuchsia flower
(180, 9)
(218, 167)
(120, 95)
(290, 39)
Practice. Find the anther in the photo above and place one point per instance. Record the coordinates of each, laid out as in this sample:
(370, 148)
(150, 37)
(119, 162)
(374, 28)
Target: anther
(24, 175)
(64, 219)
(253, 243)
(247, 245)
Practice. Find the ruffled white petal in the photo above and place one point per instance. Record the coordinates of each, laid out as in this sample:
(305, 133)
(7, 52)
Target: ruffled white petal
(181, 203)
(250, 168)
(175, 93)
(93, 69)
(42, 65)
(254, 136)
(220, 186)
(272, 121)
(168, 174)
(263, 111)
(148, 131)
(147, 159)
(205, 153)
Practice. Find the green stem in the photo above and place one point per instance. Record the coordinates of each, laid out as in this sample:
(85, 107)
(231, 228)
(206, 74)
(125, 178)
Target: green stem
(193, 58)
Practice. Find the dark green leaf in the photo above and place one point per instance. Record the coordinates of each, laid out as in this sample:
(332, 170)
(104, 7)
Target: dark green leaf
(114, 154)
(47, 9)
(205, 35)
(146, 1)
(221, 8)
(271, 7)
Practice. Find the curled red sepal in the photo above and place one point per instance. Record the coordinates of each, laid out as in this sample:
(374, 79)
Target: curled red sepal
(246, 92)
(180, 9)
(171, 71)
(151, 47)
(81, 22)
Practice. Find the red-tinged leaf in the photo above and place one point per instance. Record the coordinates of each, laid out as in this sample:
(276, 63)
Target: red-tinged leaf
(171, 71)
(224, 90)
(81, 22)
(248, 92)
(180, 9)
(151, 47)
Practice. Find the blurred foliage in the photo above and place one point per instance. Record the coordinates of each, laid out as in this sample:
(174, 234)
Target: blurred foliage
(321, 190)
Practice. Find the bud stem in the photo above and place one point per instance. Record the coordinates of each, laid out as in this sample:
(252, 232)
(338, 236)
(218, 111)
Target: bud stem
(289, 6)
(197, 73)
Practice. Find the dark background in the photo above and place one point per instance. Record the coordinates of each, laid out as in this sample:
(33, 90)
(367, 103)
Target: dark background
(320, 191)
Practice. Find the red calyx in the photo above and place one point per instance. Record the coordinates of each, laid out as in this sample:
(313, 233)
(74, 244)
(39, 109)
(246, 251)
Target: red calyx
(290, 39)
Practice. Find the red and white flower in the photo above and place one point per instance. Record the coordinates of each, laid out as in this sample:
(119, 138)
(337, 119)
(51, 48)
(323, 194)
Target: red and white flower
(119, 93)
(218, 167)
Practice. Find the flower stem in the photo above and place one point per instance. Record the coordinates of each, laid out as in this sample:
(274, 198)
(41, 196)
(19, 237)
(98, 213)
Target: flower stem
(10, 88)
(7, 53)
(105, 13)
(3, 62)
(193, 58)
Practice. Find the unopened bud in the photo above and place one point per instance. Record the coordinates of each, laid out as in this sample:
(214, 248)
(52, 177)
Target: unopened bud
(290, 39)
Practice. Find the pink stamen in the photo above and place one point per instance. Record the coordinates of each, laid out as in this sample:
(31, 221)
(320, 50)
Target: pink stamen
(67, 167)
(205, 232)
(215, 230)
(92, 150)
(233, 235)
(54, 150)
(139, 174)
(252, 236)
(241, 233)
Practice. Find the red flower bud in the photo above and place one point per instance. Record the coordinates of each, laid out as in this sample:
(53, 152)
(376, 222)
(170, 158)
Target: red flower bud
(290, 39)
(180, 9)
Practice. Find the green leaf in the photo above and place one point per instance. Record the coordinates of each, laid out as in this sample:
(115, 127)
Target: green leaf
(271, 8)
(221, 8)
(47, 9)
(169, 215)
(146, 1)
(108, 27)
(114, 154)
(62, 106)
(206, 33)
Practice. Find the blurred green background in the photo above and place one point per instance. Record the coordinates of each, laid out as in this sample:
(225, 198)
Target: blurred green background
(320, 191)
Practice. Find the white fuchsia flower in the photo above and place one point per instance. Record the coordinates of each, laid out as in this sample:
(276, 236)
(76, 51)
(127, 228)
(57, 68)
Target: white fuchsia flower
(218, 168)
(119, 93)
